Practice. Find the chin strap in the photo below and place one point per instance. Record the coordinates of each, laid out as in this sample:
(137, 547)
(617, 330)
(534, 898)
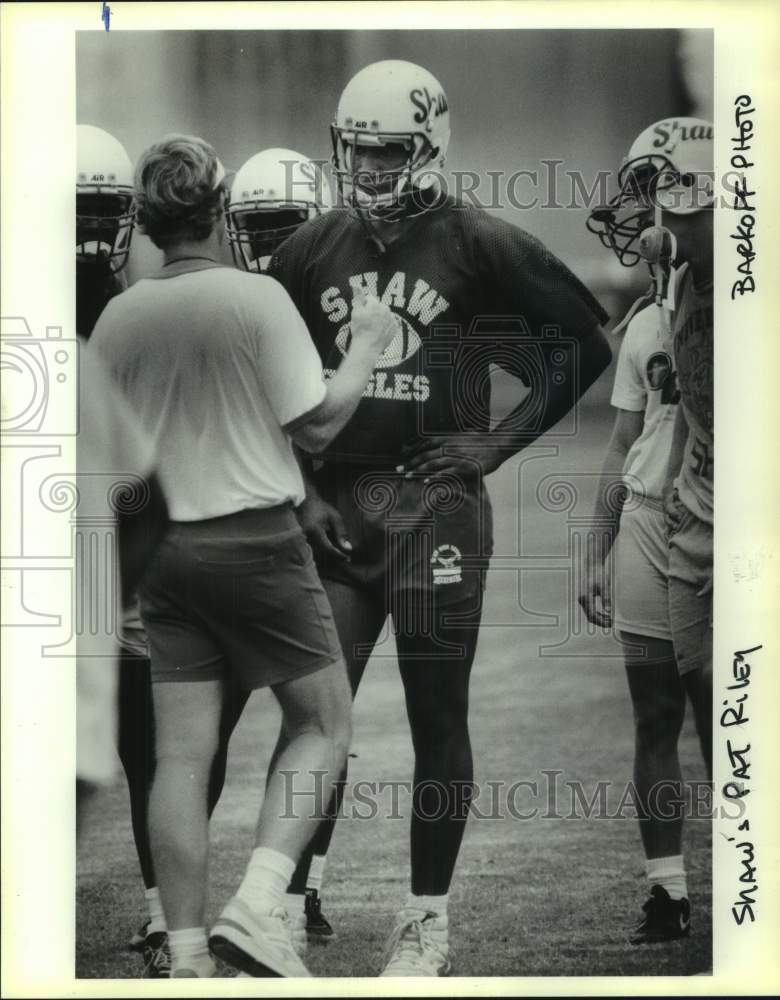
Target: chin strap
(369, 230)
(423, 200)
(658, 246)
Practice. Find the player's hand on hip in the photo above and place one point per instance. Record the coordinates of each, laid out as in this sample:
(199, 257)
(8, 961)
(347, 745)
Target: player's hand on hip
(595, 596)
(372, 322)
(454, 456)
(324, 528)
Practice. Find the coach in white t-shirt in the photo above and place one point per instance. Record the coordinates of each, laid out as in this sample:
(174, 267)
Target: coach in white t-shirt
(223, 376)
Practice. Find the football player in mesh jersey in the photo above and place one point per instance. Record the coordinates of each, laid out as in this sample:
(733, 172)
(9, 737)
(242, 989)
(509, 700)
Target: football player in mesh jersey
(397, 509)
(662, 585)
(104, 228)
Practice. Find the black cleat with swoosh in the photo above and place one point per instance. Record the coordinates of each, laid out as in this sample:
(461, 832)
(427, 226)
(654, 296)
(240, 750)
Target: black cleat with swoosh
(318, 929)
(665, 919)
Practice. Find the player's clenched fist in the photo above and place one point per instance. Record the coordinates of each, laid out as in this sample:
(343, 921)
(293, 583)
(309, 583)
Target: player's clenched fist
(373, 323)
(372, 329)
(324, 527)
(594, 597)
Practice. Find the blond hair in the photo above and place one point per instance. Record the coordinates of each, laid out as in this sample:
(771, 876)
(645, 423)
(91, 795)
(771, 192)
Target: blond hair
(180, 193)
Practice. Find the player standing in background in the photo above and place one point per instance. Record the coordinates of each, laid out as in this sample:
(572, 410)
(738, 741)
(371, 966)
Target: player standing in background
(222, 373)
(398, 513)
(272, 195)
(664, 214)
(104, 228)
(104, 222)
(110, 446)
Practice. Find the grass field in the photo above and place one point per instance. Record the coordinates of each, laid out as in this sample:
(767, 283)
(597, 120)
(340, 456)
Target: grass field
(549, 897)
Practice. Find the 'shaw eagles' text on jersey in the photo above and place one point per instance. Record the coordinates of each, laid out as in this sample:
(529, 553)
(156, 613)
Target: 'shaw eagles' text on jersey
(451, 266)
(421, 303)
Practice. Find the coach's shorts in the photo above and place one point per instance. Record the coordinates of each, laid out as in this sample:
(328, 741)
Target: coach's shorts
(237, 596)
(640, 587)
(690, 611)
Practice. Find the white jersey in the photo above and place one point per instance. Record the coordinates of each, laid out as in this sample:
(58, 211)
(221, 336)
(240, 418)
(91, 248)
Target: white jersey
(646, 381)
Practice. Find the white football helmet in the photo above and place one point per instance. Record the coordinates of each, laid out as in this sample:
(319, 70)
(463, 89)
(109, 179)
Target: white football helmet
(273, 193)
(669, 168)
(104, 198)
(391, 103)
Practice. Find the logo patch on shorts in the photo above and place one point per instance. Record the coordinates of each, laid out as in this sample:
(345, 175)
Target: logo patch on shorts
(445, 562)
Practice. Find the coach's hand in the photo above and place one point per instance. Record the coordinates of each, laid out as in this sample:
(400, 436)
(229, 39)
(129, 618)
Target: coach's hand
(455, 455)
(594, 596)
(324, 528)
(372, 324)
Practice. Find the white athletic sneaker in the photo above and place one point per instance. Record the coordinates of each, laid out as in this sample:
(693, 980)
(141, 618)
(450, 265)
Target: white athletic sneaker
(185, 973)
(260, 944)
(298, 936)
(418, 945)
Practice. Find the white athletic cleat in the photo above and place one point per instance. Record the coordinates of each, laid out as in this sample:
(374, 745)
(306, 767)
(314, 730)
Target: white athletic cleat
(418, 946)
(259, 944)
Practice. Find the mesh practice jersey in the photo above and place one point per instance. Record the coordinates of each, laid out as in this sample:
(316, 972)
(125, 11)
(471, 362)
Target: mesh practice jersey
(468, 288)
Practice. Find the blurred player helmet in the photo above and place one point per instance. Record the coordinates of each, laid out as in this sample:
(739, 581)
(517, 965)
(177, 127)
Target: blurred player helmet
(391, 103)
(669, 168)
(273, 193)
(104, 198)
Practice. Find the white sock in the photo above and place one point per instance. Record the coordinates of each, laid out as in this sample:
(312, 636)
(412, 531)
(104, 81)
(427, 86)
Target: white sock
(432, 904)
(154, 908)
(267, 876)
(294, 903)
(190, 952)
(669, 873)
(316, 872)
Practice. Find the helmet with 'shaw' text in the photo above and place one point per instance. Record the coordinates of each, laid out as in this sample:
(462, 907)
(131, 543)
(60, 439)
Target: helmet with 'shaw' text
(391, 104)
(669, 168)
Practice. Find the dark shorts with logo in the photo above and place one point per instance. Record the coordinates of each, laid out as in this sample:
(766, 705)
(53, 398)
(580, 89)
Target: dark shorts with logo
(239, 597)
(430, 540)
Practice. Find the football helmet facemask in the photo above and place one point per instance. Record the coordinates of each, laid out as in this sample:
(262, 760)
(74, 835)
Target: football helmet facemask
(391, 104)
(104, 199)
(669, 168)
(272, 195)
